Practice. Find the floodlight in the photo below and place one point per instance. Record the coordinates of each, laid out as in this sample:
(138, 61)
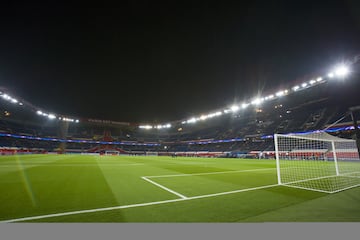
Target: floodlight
(218, 113)
(39, 112)
(319, 79)
(51, 116)
(280, 93)
(244, 105)
(203, 117)
(234, 108)
(331, 75)
(227, 111)
(168, 125)
(257, 101)
(304, 84)
(342, 71)
(312, 82)
(295, 88)
(191, 120)
(21, 104)
(144, 126)
(77, 120)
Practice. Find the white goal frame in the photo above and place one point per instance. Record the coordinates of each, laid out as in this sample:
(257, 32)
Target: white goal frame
(317, 161)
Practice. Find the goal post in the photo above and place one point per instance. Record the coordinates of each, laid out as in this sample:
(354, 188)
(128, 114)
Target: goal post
(317, 161)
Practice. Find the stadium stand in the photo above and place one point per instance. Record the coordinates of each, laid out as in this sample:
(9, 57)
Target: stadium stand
(231, 135)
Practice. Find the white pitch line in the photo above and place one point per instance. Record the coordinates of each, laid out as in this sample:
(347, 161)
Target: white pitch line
(165, 188)
(209, 173)
(74, 165)
(304, 188)
(133, 205)
(96, 165)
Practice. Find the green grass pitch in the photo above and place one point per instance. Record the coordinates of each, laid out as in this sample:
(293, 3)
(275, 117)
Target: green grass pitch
(79, 188)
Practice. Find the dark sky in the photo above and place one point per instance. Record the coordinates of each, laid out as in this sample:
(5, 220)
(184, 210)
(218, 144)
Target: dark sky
(158, 61)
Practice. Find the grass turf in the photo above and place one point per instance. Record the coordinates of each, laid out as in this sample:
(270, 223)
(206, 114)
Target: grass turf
(33, 185)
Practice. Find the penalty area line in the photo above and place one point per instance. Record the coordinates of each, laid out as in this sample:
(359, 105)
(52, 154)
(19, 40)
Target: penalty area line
(134, 205)
(165, 188)
(210, 173)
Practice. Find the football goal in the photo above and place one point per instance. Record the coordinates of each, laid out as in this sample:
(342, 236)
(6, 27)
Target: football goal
(317, 161)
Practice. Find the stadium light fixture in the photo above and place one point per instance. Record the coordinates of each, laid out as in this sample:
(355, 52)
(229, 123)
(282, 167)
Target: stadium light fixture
(145, 126)
(331, 75)
(304, 85)
(319, 79)
(257, 101)
(244, 105)
(280, 94)
(295, 88)
(227, 111)
(312, 82)
(51, 116)
(234, 108)
(191, 120)
(203, 117)
(39, 112)
(342, 71)
(271, 96)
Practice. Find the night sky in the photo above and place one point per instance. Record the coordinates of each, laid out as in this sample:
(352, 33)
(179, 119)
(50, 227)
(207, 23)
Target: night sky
(149, 61)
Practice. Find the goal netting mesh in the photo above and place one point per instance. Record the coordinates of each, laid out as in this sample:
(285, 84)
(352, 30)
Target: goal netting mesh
(317, 161)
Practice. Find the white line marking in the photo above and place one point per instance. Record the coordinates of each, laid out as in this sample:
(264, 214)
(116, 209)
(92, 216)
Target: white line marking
(311, 179)
(133, 205)
(343, 189)
(165, 188)
(75, 165)
(209, 173)
(304, 188)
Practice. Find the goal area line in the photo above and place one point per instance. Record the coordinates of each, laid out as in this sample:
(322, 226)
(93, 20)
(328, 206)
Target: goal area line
(147, 178)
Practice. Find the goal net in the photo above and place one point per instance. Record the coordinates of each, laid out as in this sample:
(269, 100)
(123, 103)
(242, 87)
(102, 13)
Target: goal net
(317, 161)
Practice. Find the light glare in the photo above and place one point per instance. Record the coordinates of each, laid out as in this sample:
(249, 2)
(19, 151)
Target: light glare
(342, 71)
(296, 88)
(234, 108)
